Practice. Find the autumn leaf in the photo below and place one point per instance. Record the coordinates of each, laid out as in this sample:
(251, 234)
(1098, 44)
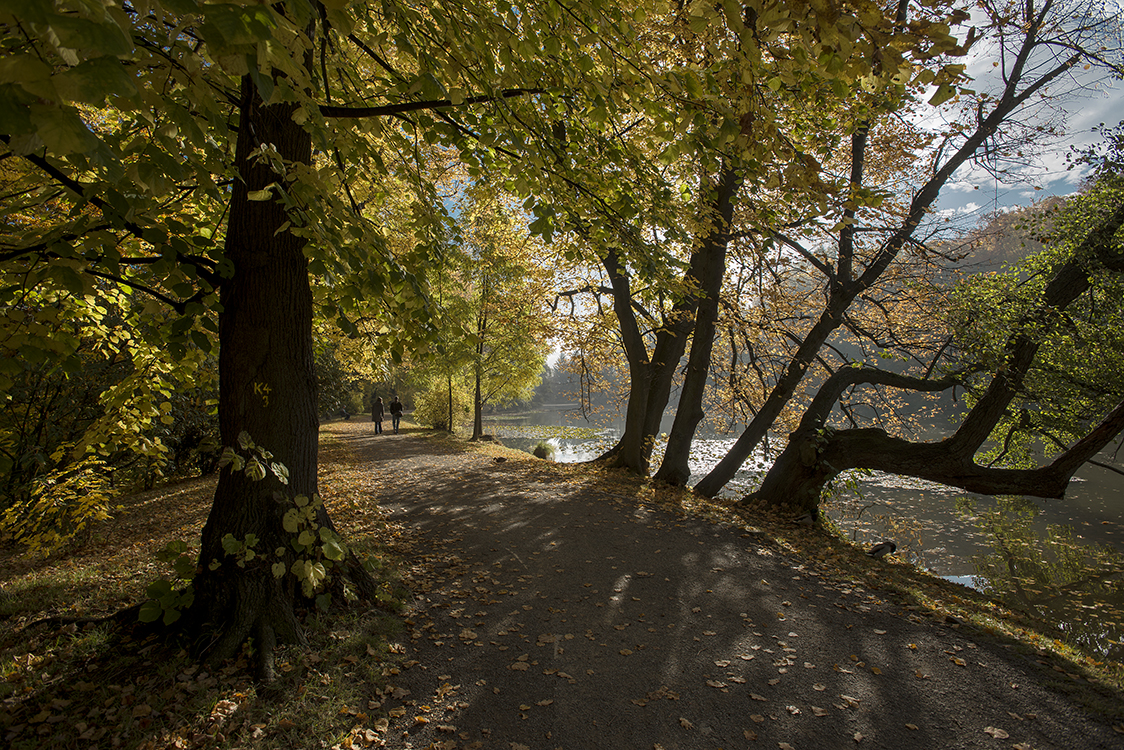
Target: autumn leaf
(997, 733)
(685, 723)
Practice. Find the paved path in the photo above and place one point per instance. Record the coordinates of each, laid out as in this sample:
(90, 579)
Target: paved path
(553, 613)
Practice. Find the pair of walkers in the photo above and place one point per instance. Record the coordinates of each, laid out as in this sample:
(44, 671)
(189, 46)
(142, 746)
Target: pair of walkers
(395, 414)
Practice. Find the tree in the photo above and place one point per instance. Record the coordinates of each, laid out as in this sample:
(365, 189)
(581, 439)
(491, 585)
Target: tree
(1039, 46)
(509, 296)
(196, 152)
(1025, 368)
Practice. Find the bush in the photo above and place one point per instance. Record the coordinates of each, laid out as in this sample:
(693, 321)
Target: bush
(431, 406)
(543, 450)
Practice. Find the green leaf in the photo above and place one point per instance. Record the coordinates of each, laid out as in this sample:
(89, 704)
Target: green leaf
(943, 94)
(333, 551)
(62, 130)
(94, 80)
(150, 611)
(306, 537)
(230, 544)
(158, 589)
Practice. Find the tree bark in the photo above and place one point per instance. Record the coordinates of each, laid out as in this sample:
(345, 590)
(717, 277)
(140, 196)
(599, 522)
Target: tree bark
(650, 378)
(267, 388)
(675, 468)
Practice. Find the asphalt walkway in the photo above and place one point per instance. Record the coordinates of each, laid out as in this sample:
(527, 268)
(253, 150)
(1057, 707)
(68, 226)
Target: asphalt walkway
(553, 613)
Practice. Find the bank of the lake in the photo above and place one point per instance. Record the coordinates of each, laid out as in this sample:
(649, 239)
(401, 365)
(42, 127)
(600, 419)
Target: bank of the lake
(946, 531)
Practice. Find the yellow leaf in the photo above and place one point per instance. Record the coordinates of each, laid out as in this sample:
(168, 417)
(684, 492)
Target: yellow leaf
(912, 727)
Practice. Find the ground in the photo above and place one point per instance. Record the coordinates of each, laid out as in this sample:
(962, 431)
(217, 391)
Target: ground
(550, 606)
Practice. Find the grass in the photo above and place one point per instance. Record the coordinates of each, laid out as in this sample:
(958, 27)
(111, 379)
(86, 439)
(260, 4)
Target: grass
(71, 679)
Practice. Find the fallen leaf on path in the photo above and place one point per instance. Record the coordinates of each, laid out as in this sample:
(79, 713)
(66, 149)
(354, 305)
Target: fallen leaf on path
(912, 727)
(685, 724)
(757, 718)
(749, 735)
(819, 686)
(997, 733)
(819, 711)
(858, 737)
(757, 697)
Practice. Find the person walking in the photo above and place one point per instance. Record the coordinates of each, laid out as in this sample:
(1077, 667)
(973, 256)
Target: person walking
(377, 415)
(395, 413)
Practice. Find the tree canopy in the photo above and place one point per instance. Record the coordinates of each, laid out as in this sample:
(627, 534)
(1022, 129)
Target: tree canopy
(186, 179)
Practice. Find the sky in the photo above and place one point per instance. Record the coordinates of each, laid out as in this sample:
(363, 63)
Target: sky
(973, 192)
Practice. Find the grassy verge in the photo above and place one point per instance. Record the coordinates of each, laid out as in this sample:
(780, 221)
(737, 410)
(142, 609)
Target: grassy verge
(72, 675)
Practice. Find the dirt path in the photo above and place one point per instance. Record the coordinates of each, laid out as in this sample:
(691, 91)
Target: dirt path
(555, 614)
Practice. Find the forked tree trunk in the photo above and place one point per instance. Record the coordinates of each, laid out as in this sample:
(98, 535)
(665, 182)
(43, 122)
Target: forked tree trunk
(675, 468)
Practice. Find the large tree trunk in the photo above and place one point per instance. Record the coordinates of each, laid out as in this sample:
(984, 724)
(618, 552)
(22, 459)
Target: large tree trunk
(650, 378)
(267, 389)
(675, 468)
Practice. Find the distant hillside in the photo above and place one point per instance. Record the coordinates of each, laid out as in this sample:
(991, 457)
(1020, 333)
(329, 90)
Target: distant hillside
(1001, 239)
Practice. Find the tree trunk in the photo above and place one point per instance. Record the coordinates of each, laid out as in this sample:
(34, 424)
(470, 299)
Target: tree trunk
(650, 378)
(267, 389)
(675, 468)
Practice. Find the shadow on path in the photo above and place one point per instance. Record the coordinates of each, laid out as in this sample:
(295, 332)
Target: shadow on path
(555, 613)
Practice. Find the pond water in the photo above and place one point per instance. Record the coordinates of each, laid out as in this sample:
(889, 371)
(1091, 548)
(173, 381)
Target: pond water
(943, 529)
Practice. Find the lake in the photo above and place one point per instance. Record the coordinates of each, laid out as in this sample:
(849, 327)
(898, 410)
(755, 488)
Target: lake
(942, 529)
